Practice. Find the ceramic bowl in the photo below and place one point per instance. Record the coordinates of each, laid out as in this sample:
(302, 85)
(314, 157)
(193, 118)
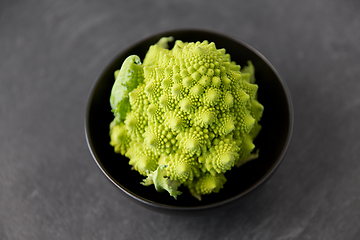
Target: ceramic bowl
(273, 140)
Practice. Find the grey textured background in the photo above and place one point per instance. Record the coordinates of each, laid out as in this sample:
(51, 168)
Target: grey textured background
(50, 55)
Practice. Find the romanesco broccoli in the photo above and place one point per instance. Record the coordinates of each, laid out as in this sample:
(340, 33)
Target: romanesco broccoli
(185, 116)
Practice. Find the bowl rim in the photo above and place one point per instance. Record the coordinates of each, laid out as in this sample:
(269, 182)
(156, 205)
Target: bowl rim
(162, 206)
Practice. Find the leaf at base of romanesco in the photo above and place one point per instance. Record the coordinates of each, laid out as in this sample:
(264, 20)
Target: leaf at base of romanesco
(250, 70)
(162, 182)
(127, 79)
(252, 156)
(163, 42)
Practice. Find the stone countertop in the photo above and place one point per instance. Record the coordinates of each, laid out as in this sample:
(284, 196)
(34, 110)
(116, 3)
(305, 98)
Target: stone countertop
(52, 51)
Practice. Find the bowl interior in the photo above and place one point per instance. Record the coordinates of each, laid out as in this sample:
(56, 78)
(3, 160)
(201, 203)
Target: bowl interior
(272, 140)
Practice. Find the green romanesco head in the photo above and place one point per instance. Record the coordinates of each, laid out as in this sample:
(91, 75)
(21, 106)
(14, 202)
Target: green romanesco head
(185, 116)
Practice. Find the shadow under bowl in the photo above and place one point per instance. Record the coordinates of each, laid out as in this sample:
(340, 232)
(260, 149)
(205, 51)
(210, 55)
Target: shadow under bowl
(273, 140)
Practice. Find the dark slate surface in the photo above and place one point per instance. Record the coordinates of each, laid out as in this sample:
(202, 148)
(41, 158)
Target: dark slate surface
(50, 55)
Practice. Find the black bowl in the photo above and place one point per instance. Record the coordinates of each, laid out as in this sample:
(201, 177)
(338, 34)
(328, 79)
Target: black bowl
(273, 140)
